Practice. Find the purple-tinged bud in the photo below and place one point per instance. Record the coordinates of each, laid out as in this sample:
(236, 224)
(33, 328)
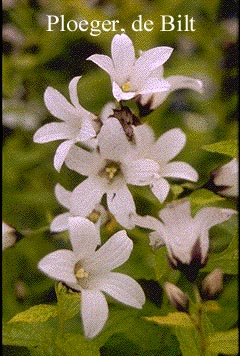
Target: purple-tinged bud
(212, 284)
(177, 298)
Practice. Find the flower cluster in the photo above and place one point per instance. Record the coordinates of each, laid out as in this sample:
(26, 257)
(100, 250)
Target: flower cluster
(115, 150)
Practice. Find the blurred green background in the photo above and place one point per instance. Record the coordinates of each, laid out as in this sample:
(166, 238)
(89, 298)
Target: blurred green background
(34, 59)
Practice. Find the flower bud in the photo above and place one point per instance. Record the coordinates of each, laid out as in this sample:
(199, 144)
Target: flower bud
(8, 236)
(177, 298)
(212, 284)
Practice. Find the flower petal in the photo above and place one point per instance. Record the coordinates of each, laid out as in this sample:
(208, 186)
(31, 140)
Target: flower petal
(53, 132)
(160, 188)
(94, 312)
(183, 82)
(63, 195)
(103, 62)
(83, 236)
(112, 254)
(123, 56)
(84, 162)
(59, 265)
(59, 107)
(178, 211)
(180, 170)
(86, 195)
(121, 205)
(144, 139)
(87, 131)
(208, 217)
(147, 221)
(119, 94)
(60, 223)
(113, 142)
(154, 85)
(141, 171)
(169, 145)
(61, 154)
(122, 288)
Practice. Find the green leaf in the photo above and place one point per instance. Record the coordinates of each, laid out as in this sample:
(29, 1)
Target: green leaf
(76, 345)
(203, 197)
(224, 342)
(188, 341)
(228, 147)
(68, 302)
(36, 314)
(28, 335)
(172, 319)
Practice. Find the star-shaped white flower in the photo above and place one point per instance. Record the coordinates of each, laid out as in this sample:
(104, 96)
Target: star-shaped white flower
(153, 100)
(77, 126)
(130, 76)
(8, 236)
(185, 237)
(107, 171)
(153, 165)
(89, 272)
(227, 178)
(61, 222)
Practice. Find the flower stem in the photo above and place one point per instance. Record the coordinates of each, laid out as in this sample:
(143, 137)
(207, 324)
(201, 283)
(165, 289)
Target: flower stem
(198, 323)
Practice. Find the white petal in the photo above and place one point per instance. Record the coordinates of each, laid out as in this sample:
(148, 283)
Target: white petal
(61, 154)
(122, 288)
(154, 85)
(121, 205)
(144, 138)
(148, 62)
(58, 106)
(169, 144)
(160, 188)
(59, 265)
(94, 312)
(147, 221)
(112, 254)
(227, 174)
(178, 211)
(87, 131)
(141, 171)
(84, 162)
(123, 56)
(63, 195)
(60, 223)
(119, 94)
(113, 142)
(107, 111)
(180, 170)
(208, 217)
(52, 132)
(156, 240)
(103, 62)
(86, 195)
(183, 82)
(83, 236)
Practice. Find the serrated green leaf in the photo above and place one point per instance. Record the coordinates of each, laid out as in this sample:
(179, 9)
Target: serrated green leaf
(228, 147)
(36, 314)
(203, 197)
(68, 302)
(224, 342)
(172, 319)
(28, 335)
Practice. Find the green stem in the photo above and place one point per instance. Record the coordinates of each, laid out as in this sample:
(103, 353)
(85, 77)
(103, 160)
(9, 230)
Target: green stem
(198, 322)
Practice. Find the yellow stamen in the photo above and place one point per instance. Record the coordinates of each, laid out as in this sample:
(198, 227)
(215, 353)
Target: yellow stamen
(94, 216)
(126, 86)
(81, 273)
(111, 171)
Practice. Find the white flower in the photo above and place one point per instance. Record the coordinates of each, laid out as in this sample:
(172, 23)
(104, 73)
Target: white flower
(8, 236)
(185, 237)
(78, 125)
(227, 177)
(107, 171)
(89, 271)
(154, 165)
(131, 76)
(61, 222)
(153, 100)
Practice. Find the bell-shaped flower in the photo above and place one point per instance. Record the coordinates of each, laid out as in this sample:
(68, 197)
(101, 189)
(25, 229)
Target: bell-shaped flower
(60, 223)
(186, 237)
(153, 100)
(107, 169)
(78, 124)
(130, 76)
(88, 271)
(153, 165)
(226, 178)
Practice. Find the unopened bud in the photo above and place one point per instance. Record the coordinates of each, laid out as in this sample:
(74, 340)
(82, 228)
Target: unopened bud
(212, 284)
(8, 236)
(177, 298)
